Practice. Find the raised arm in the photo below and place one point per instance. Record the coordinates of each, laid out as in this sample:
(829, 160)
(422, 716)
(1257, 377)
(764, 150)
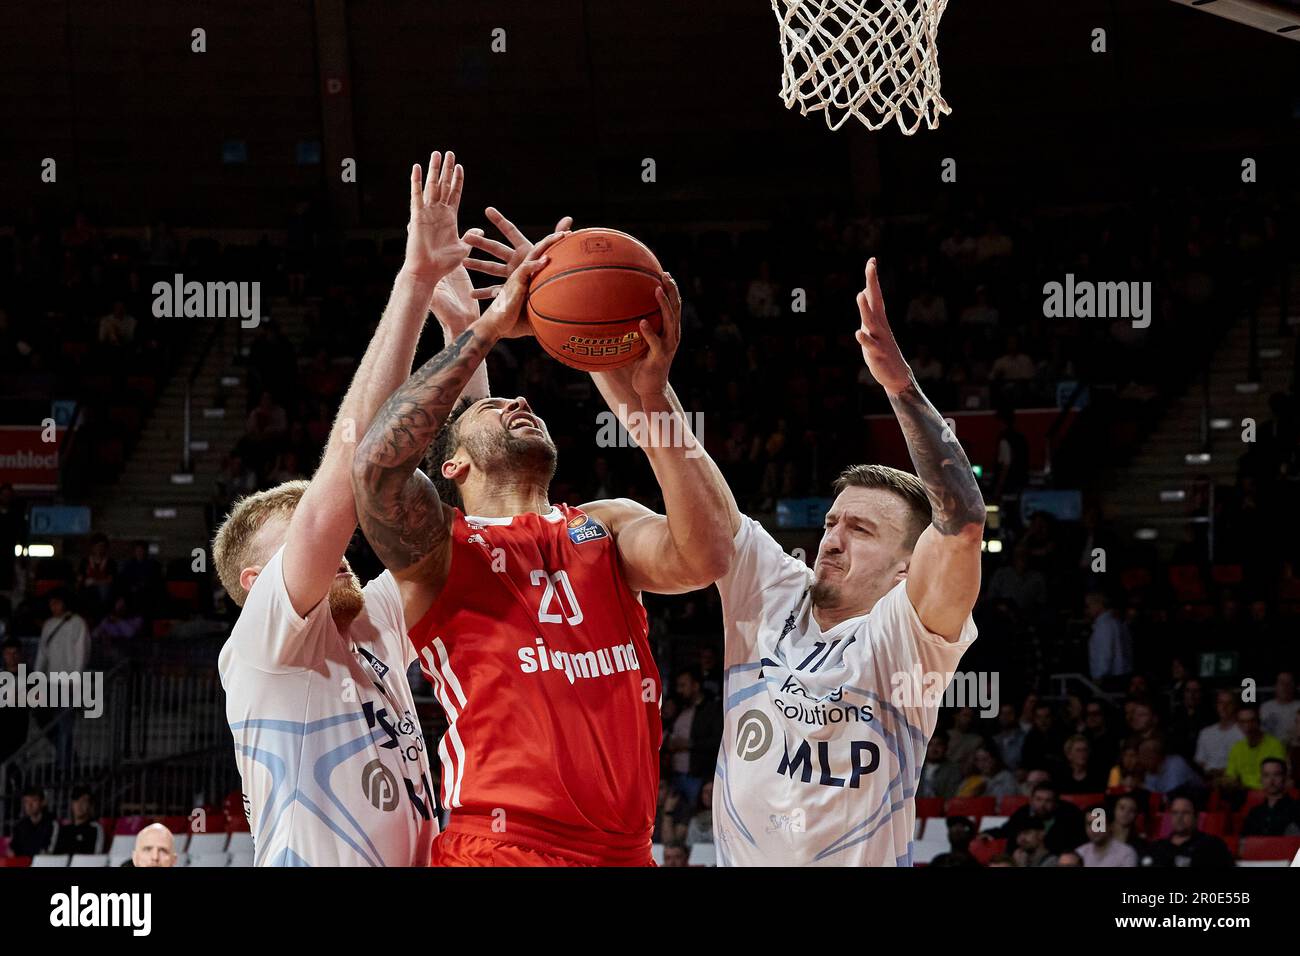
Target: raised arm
(326, 518)
(401, 514)
(943, 579)
(690, 546)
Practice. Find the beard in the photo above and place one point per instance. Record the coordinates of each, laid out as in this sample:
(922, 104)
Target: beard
(346, 600)
(824, 594)
(534, 456)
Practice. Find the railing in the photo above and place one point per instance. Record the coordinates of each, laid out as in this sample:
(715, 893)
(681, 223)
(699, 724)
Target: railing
(213, 334)
(158, 730)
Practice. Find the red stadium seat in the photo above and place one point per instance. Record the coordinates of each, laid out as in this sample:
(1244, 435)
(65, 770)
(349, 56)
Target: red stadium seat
(184, 592)
(15, 861)
(1253, 799)
(971, 807)
(1232, 842)
(47, 585)
(1134, 579)
(1214, 823)
(1227, 574)
(1186, 581)
(176, 824)
(1010, 804)
(1269, 848)
(1084, 800)
(984, 848)
(163, 628)
(129, 826)
(929, 807)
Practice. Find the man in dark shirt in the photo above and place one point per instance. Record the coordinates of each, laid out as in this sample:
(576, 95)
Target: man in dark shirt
(1186, 845)
(1278, 815)
(34, 833)
(83, 834)
(1062, 820)
(1043, 742)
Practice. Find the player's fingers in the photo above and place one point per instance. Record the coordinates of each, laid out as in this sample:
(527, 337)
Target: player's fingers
(545, 244)
(445, 176)
(671, 311)
(417, 185)
(508, 228)
(864, 310)
(487, 292)
(653, 341)
(431, 180)
(457, 184)
(874, 297)
(478, 240)
(488, 266)
(564, 225)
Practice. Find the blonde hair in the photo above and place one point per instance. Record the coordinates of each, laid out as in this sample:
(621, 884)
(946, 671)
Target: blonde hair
(232, 548)
(901, 483)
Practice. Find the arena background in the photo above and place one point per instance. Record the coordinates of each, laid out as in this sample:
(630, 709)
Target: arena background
(1123, 165)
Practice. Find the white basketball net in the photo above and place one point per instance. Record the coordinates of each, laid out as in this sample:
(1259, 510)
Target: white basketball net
(873, 59)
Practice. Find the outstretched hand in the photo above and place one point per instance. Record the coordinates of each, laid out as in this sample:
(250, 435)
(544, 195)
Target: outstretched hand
(879, 349)
(434, 247)
(505, 318)
(511, 256)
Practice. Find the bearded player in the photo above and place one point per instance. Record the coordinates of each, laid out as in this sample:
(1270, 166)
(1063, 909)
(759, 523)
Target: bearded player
(827, 721)
(327, 740)
(527, 614)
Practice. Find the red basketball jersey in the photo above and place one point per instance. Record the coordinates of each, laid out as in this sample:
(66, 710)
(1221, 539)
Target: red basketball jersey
(538, 652)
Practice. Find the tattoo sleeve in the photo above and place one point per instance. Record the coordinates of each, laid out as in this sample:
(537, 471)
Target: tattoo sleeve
(955, 498)
(400, 511)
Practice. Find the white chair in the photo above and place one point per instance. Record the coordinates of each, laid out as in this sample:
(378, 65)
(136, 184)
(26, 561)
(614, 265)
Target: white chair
(934, 840)
(241, 843)
(204, 844)
(209, 859)
(1263, 863)
(703, 854)
(992, 823)
(121, 850)
(50, 859)
(241, 859)
(657, 852)
(89, 859)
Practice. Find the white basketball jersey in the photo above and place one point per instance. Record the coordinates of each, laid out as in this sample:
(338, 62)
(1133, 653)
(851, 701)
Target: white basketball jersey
(818, 764)
(327, 739)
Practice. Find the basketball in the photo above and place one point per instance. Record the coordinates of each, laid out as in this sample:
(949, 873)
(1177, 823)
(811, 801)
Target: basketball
(587, 304)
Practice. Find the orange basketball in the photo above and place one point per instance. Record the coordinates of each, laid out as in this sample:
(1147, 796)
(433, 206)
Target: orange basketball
(586, 306)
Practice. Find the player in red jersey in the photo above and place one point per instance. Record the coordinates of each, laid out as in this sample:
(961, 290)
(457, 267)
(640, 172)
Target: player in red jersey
(529, 622)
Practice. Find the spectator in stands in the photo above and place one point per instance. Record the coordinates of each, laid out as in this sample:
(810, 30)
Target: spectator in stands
(1062, 821)
(761, 295)
(927, 309)
(979, 314)
(1215, 742)
(117, 328)
(1128, 772)
(1102, 849)
(1102, 741)
(962, 740)
(1019, 585)
(988, 778)
(154, 847)
(139, 579)
(1001, 861)
(1069, 858)
(677, 854)
(940, 777)
(700, 829)
(1110, 647)
(1125, 822)
(1277, 716)
(267, 426)
(13, 532)
(674, 816)
(14, 721)
(1165, 772)
(1013, 365)
(1043, 743)
(696, 735)
(1079, 775)
(65, 639)
(96, 574)
(1186, 845)
(1010, 738)
(926, 369)
(83, 833)
(1243, 770)
(1140, 717)
(1278, 814)
(1188, 719)
(118, 628)
(710, 677)
(1031, 848)
(34, 832)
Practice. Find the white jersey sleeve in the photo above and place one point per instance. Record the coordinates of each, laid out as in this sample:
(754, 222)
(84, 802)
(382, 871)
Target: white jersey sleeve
(384, 607)
(759, 565)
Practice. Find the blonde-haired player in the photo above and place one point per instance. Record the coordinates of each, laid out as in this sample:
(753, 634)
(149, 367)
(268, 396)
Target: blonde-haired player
(327, 740)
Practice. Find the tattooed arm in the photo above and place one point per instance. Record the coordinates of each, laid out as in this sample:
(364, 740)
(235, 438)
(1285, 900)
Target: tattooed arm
(943, 577)
(401, 514)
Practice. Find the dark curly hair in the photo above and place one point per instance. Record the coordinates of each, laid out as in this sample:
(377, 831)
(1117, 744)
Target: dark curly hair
(444, 444)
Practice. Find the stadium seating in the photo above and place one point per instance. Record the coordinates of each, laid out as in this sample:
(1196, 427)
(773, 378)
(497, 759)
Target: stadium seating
(50, 859)
(89, 859)
(703, 854)
(1084, 800)
(209, 859)
(204, 844)
(1262, 848)
(975, 807)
